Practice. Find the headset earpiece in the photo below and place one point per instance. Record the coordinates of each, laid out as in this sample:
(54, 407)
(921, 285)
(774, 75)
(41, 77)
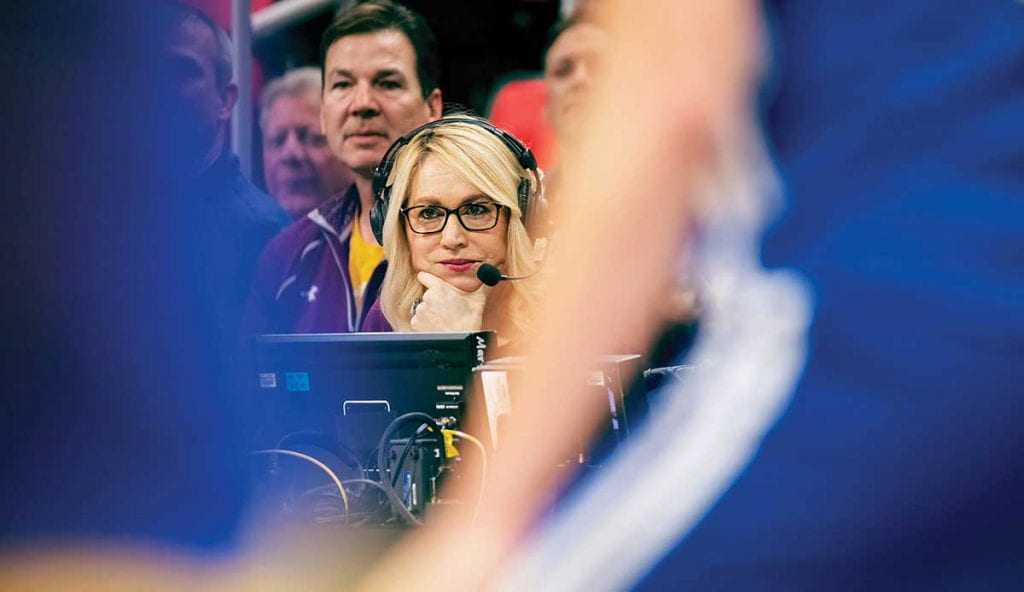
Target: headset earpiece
(378, 213)
(523, 198)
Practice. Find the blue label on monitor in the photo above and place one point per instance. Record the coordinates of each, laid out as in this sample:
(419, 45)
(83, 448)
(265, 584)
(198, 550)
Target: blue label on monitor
(296, 381)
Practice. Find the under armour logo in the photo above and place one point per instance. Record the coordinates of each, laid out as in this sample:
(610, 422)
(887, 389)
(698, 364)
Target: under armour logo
(310, 294)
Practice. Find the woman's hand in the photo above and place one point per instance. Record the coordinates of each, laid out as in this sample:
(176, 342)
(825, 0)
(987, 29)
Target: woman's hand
(447, 308)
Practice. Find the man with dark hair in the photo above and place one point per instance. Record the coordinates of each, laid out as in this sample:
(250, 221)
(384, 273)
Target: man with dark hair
(380, 70)
(384, 15)
(233, 220)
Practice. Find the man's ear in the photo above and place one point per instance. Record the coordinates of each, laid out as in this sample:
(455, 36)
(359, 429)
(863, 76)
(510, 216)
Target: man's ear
(434, 104)
(229, 96)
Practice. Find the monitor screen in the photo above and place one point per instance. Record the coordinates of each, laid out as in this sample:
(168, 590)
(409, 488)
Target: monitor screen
(350, 386)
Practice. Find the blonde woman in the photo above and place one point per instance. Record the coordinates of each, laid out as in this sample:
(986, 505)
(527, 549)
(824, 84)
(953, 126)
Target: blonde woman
(450, 198)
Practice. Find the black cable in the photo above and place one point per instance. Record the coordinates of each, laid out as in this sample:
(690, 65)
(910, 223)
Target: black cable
(384, 447)
(388, 481)
(405, 452)
(385, 485)
(385, 442)
(408, 447)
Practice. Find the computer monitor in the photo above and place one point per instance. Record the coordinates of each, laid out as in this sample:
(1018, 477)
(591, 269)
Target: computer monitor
(350, 386)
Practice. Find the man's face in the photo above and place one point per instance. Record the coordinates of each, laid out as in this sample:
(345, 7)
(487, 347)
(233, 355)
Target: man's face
(300, 169)
(197, 104)
(569, 71)
(372, 97)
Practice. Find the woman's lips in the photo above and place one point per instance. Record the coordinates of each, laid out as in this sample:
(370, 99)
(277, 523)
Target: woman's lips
(459, 265)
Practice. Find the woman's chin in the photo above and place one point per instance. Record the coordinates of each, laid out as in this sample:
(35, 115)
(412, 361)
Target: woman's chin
(466, 284)
(463, 280)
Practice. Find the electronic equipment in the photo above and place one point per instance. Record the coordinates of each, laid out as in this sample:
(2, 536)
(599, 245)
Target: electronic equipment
(613, 378)
(351, 386)
(385, 406)
(414, 474)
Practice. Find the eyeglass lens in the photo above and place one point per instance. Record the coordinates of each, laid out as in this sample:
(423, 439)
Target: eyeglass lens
(472, 216)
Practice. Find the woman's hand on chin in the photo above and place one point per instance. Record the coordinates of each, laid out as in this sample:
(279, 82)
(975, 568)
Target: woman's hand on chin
(447, 308)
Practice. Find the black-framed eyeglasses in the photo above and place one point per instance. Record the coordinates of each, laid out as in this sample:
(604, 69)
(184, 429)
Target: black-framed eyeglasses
(476, 216)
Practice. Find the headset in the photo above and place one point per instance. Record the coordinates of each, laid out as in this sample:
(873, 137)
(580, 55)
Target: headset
(382, 191)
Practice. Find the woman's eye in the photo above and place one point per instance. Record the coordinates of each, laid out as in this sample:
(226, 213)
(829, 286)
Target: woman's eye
(477, 209)
(430, 213)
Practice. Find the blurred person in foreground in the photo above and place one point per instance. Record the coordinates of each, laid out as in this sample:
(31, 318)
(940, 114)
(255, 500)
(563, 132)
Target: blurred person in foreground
(380, 71)
(121, 444)
(894, 464)
(124, 464)
(870, 438)
(572, 65)
(453, 205)
(298, 165)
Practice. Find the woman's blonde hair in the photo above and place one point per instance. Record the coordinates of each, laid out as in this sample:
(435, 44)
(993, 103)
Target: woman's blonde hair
(482, 159)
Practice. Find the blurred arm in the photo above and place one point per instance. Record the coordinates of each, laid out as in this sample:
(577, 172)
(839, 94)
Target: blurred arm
(678, 77)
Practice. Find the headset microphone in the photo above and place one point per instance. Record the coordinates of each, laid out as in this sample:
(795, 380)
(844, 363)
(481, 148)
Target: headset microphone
(491, 275)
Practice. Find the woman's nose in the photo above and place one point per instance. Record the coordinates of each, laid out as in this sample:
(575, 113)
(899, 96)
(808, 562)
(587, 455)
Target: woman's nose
(453, 235)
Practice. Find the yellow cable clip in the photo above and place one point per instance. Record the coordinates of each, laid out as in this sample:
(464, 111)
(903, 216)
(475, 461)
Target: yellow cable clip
(450, 451)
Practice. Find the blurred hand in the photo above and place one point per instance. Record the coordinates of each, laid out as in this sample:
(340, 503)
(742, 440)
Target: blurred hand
(447, 308)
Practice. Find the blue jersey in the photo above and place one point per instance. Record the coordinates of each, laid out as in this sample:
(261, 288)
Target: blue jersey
(861, 428)
(898, 130)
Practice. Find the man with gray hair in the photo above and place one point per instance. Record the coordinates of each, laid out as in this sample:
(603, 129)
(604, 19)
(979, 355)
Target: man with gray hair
(298, 165)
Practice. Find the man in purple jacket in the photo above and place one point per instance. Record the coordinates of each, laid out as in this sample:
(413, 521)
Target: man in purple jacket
(380, 74)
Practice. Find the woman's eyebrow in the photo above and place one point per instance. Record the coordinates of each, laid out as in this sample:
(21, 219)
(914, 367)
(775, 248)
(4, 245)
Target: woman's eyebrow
(423, 200)
(475, 197)
(430, 200)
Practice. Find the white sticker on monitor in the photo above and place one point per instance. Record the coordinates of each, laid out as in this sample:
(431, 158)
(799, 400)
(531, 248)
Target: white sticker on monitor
(496, 397)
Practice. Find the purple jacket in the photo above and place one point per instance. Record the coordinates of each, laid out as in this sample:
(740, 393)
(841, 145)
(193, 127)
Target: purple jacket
(375, 321)
(302, 281)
